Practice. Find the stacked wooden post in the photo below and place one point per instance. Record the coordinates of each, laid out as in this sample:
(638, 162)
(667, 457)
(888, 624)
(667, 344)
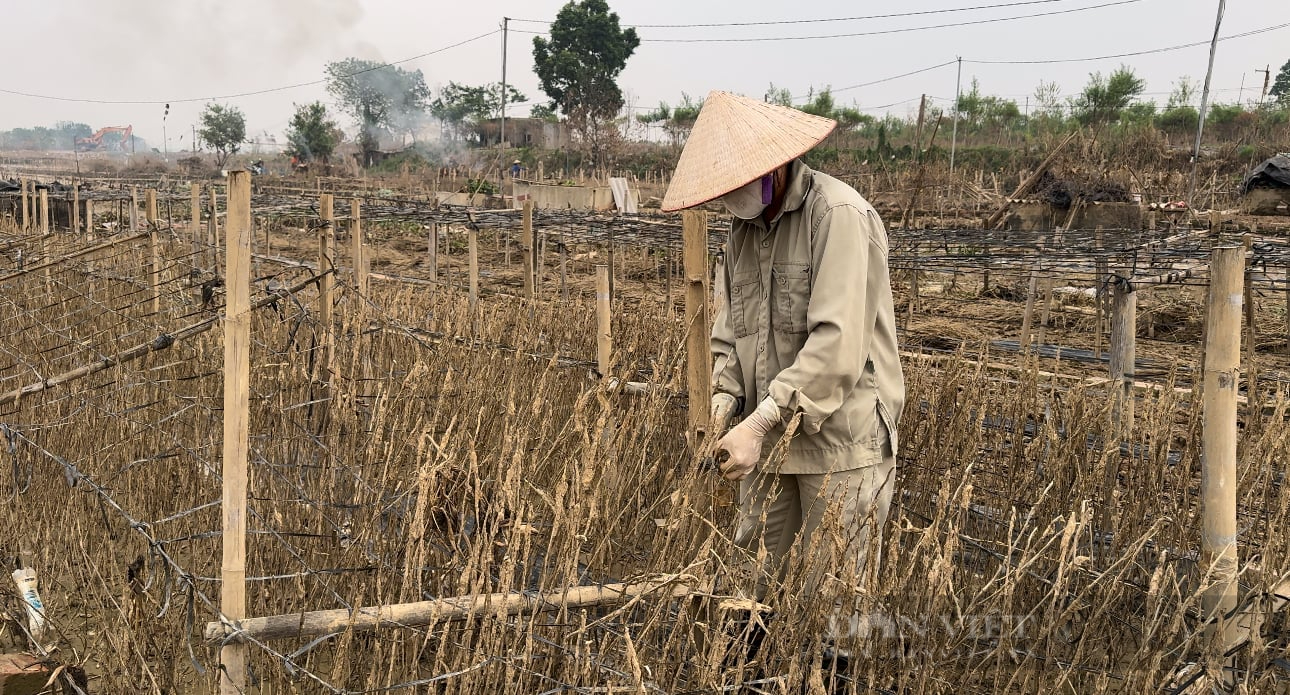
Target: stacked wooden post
(237, 371)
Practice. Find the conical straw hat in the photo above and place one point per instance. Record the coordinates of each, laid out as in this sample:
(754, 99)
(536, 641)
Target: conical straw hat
(736, 140)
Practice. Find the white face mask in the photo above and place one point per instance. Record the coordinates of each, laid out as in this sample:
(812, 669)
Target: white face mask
(745, 202)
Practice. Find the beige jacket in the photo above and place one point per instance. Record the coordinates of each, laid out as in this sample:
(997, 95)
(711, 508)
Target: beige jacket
(808, 318)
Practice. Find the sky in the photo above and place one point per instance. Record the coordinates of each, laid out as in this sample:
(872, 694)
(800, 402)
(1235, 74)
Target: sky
(71, 55)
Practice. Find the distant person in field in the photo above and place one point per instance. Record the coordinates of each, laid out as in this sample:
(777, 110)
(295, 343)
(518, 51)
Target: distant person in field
(515, 169)
(806, 327)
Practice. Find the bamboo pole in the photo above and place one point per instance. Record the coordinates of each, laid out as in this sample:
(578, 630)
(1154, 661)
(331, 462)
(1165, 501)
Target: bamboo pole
(698, 324)
(356, 246)
(195, 217)
(89, 219)
(1218, 466)
(44, 234)
(1028, 316)
(473, 250)
(604, 321)
(327, 262)
(26, 205)
(75, 218)
(154, 244)
(423, 613)
(44, 211)
(527, 249)
(432, 247)
(564, 270)
(134, 208)
(237, 371)
(212, 230)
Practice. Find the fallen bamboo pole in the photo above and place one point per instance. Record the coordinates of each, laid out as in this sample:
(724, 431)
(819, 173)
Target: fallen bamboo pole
(423, 613)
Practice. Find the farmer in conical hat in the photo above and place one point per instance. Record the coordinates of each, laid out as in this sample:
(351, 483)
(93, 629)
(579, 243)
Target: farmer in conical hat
(807, 328)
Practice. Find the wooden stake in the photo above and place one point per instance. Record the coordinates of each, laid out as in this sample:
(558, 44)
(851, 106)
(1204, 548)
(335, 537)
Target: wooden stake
(195, 218)
(697, 321)
(526, 249)
(75, 218)
(26, 204)
(134, 208)
(432, 247)
(356, 246)
(212, 230)
(1027, 317)
(237, 373)
(564, 270)
(473, 249)
(326, 286)
(154, 267)
(1218, 466)
(89, 218)
(604, 322)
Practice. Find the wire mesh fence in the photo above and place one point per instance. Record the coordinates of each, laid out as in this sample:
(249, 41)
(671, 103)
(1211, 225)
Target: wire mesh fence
(414, 450)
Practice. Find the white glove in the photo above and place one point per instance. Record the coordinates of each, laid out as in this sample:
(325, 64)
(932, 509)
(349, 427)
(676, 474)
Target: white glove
(723, 408)
(743, 443)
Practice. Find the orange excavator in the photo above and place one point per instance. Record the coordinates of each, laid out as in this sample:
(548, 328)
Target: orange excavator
(95, 143)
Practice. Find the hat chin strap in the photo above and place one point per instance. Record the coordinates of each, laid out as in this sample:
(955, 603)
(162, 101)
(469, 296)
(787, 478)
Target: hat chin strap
(767, 188)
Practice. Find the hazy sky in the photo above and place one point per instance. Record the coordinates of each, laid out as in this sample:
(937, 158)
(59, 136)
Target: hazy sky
(177, 50)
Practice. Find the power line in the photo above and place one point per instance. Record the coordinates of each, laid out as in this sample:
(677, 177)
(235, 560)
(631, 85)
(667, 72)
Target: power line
(245, 94)
(902, 30)
(822, 20)
(885, 79)
(1127, 55)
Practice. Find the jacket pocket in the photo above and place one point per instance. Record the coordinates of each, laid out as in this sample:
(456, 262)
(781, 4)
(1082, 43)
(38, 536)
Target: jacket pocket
(744, 304)
(790, 295)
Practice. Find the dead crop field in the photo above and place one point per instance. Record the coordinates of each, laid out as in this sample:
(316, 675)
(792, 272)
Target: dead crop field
(528, 521)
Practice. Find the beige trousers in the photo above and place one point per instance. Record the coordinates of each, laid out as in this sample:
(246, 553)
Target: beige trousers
(783, 513)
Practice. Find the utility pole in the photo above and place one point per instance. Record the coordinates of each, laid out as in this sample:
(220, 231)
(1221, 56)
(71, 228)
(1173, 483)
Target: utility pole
(1267, 75)
(1204, 105)
(954, 135)
(501, 138)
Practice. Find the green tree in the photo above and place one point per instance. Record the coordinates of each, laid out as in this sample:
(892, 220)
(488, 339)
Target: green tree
(1281, 87)
(311, 135)
(463, 108)
(544, 112)
(380, 98)
(676, 122)
(578, 68)
(1104, 98)
(224, 129)
(779, 96)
